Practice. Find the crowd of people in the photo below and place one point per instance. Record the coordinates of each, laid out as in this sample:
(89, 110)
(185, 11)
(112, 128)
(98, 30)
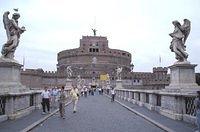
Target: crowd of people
(57, 97)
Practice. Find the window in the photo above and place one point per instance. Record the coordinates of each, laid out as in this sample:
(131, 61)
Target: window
(94, 50)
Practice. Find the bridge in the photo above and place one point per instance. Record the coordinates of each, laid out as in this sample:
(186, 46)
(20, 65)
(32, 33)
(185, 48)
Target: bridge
(97, 114)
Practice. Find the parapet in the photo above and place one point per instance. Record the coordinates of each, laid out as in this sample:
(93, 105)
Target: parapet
(160, 69)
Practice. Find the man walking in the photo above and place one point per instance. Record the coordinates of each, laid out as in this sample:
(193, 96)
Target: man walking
(62, 100)
(45, 100)
(112, 94)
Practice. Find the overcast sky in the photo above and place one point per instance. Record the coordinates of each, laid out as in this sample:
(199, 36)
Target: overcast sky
(140, 27)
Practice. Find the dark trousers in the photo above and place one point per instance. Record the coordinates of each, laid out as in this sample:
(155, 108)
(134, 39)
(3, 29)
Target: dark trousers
(62, 109)
(113, 97)
(45, 103)
(85, 93)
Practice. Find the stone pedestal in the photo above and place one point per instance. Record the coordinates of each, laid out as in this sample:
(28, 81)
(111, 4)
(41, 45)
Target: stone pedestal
(119, 84)
(68, 84)
(19, 100)
(10, 79)
(182, 78)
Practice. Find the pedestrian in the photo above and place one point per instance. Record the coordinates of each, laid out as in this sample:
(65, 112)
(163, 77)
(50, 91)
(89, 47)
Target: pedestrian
(85, 90)
(112, 94)
(197, 104)
(82, 91)
(62, 100)
(99, 88)
(45, 100)
(74, 95)
(54, 94)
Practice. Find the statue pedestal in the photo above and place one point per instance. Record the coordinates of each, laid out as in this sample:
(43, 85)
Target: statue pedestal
(19, 100)
(68, 84)
(10, 79)
(119, 84)
(182, 78)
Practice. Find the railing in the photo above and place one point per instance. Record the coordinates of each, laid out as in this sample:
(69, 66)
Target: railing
(147, 97)
(31, 100)
(158, 100)
(2, 104)
(190, 106)
(178, 106)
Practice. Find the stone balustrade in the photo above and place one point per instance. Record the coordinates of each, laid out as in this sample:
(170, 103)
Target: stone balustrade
(177, 106)
(16, 105)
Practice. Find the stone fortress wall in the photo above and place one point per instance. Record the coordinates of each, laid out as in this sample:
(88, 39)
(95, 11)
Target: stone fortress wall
(92, 59)
(37, 78)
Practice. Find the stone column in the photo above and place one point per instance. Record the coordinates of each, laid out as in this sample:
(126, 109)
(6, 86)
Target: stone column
(152, 101)
(129, 96)
(142, 99)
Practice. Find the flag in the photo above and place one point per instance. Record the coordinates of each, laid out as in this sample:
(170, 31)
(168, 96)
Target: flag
(159, 60)
(103, 77)
(23, 62)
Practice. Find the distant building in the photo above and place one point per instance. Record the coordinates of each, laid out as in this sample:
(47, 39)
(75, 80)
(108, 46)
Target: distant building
(92, 59)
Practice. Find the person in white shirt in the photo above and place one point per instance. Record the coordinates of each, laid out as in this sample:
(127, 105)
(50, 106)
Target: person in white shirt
(112, 94)
(45, 100)
(54, 94)
(74, 96)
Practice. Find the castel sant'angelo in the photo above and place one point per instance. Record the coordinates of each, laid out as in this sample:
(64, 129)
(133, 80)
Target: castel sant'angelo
(90, 60)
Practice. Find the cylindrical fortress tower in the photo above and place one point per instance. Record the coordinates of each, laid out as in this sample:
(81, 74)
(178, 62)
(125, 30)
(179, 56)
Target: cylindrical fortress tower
(93, 58)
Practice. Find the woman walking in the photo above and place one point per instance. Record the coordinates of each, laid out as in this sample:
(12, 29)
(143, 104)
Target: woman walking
(74, 95)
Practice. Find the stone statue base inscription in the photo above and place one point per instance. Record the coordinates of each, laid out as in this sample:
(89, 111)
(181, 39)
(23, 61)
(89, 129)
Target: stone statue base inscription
(119, 84)
(10, 77)
(182, 78)
(68, 84)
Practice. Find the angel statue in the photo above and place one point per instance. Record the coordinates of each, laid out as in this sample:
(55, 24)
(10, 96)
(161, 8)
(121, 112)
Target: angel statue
(119, 70)
(69, 71)
(179, 37)
(13, 32)
(94, 31)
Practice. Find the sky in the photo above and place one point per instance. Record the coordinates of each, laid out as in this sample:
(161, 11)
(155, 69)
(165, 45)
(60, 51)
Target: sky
(140, 27)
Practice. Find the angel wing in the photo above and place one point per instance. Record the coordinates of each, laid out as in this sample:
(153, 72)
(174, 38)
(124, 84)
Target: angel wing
(186, 29)
(6, 22)
(16, 9)
(6, 18)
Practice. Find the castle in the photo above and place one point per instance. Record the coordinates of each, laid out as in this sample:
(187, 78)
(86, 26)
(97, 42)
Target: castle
(92, 59)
